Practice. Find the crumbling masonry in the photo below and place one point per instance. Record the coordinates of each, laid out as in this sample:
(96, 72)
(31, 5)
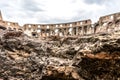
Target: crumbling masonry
(108, 23)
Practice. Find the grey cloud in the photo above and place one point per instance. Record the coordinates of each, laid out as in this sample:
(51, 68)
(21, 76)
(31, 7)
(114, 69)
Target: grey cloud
(31, 6)
(31, 11)
(95, 1)
(53, 20)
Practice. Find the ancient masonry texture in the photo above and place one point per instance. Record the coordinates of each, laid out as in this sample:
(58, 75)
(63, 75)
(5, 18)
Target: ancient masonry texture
(108, 23)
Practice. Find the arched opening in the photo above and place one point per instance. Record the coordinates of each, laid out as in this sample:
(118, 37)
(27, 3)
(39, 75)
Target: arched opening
(96, 28)
(34, 34)
(80, 30)
(38, 30)
(3, 28)
(56, 31)
(70, 31)
(9, 28)
(110, 27)
(85, 30)
(117, 25)
(47, 32)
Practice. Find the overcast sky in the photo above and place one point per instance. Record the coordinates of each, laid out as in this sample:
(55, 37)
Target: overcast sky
(56, 11)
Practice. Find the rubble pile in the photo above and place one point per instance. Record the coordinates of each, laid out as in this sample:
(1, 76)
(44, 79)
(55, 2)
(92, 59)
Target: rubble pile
(93, 57)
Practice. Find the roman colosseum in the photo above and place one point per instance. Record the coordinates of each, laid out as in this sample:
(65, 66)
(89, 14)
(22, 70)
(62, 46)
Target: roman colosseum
(108, 23)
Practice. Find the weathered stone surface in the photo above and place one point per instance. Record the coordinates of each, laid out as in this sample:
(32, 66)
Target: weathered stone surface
(93, 57)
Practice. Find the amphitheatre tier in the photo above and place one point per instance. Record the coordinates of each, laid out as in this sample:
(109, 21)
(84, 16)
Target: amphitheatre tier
(108, 23)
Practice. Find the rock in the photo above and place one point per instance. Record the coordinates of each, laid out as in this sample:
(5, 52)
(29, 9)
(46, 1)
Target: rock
(91, 57)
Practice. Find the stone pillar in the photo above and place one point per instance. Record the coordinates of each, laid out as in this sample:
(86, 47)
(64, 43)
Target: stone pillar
(77, 30)
(66, 31)
(53, 33)
(45, 32)
(50, 32)
(72, 32)
(87, 30)
(63, 32)
(41, 33)
(82, 30)
(59, 32)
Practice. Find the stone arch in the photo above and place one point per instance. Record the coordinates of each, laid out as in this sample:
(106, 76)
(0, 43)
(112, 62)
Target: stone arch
(9, 28)
(85, 30)
(70, 31)
(74, 31)
(96, 28)
(34, 34)
(61, 32)
(43, 32)
(89, 30)
(65, 31)
(110, 27)
(47, 32)
(56, 31)
(80, 31)
(117, 25)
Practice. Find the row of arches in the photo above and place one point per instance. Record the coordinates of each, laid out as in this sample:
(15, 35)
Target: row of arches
(71, 31)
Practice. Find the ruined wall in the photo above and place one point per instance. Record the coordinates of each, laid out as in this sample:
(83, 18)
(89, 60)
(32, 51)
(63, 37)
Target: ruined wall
(108, 23)
(9, 25)
(62, 29)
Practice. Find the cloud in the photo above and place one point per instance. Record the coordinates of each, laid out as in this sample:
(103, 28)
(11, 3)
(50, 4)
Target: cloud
(31, 5)
(99, 2)
(56, 11)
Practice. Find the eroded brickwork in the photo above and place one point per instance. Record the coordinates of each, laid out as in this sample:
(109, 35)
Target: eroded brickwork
(9, 25)
(108, 23)
(63, 29)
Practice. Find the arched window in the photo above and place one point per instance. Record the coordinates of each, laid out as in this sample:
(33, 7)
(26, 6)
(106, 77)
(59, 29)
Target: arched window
(38, 26)
(56, 25)
(81, 23)
(38, 31)
(29, 26)
(8, 24)
(111, 17)
(70, 25)
(61, 25)
(47, 27)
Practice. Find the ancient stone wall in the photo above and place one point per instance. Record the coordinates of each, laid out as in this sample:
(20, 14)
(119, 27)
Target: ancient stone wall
(108, 23)
(62, 29)
(9, 25)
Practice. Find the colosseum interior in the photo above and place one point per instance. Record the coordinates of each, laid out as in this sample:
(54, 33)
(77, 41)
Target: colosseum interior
(106, 23)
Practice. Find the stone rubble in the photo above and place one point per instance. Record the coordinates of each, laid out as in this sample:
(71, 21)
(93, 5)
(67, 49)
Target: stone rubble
(93, 57)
